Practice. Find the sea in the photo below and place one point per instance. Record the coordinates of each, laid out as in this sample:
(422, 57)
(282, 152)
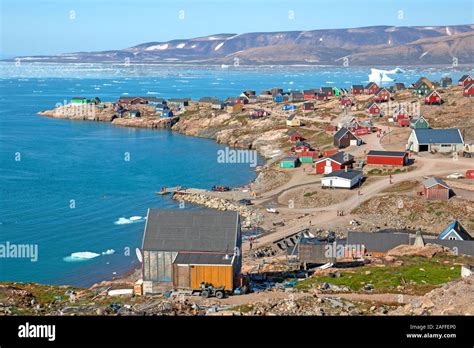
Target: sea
(74, 194)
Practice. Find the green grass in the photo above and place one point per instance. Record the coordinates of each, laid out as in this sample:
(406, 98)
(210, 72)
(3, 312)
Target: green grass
(418, 275)
(309, 194)
(245, 308)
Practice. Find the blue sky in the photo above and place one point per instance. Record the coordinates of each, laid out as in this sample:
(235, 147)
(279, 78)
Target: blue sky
(48, 26)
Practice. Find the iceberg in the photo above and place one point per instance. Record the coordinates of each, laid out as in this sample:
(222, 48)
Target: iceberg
(378, 75)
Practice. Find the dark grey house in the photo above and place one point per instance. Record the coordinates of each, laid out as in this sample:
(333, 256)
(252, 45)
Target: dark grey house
(183, 248)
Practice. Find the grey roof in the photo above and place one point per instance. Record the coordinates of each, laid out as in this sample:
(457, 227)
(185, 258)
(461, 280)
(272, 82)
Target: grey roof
(434, 181)
(377, 242)
(203, 259)
(357, 87)
(191, 230)
(350, 174)
(340, 133)
(387, 153)
(341, 157)
(438, 136)
(326, 89)
(290, 158)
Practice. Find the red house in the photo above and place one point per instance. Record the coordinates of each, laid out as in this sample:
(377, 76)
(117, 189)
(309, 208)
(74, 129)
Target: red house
(296, 137)
(132, 100)
(465, 80)
(309, 94)
(330, 152)
(435, 188)
(468, 90)
(345, 101)
(387, 158)
(433, 98)
(382, 95)
(372, 108)
(470, 174)
(308, 106)
(327, 90)
(404, 122)
(339, 160)
(401, 114)
(371, 88)
(321, 96)
(357, 89)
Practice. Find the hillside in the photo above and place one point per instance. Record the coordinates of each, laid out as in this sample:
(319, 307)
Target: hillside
(362, 46)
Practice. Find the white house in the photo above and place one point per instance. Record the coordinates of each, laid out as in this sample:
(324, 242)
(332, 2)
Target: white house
(441, 140)
(342, 179)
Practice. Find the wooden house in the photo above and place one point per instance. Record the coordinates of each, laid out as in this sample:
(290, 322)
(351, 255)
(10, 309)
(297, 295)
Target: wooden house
(455, 231)
(446, 81)
(295, 136)
(336, 91)
(291, 161)
(422, 86)
(435, 188)
(278, 98)
(371, 88)
(155, 101)
(307, 156)
(80, 100)
(372, 108)
(183, 248)
(382, 95)
(257, 113)
(419, 122)
(126, 100)
(357, 89)
(345, 101)
(399, 86)
(433, 98)
(293, 121)
(321, 96)
(337, 161)
(387, 158)
(265, 95)
(296, 96)
(208, 101)
(465, 80)
(328, 91)
(163, 110)
(276, 90)
(308, 106)
(344, 138)
(468, 90)
(309, 94)
(233, 107)
(179, 102)
(342, 179)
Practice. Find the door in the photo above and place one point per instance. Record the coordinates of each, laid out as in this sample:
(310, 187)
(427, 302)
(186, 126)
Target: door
(183, 280)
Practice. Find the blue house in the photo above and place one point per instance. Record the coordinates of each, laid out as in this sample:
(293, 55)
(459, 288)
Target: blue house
(163, 111)
(455, 232)
(278, 98)
(288, 107)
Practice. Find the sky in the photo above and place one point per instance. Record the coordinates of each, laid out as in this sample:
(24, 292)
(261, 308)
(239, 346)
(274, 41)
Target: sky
(33, 27)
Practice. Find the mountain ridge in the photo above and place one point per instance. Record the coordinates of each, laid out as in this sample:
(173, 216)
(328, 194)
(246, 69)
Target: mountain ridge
(391, 45)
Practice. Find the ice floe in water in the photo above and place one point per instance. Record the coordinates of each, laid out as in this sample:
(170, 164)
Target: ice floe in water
(81, 256)
(377, 75)
(125, 221)
(108, 252)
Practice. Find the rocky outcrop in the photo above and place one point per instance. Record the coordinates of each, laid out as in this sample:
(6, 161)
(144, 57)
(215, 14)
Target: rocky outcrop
(249, 215)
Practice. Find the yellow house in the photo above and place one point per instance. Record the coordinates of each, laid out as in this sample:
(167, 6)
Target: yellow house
(233, 107)
(293, 121)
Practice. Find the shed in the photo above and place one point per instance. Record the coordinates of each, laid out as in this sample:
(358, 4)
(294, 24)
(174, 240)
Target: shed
(433, 98)
(382, 95)
(465, 80)
(387, 158)
(134, 113)
(372, 108)
(328, 91)
(334, 162)
(170, 236)
(289, 162)
(342, 179)
(468, 90)
(357, 89)
(371, 88)
(435, 188)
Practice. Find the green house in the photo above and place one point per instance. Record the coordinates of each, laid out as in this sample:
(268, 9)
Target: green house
(289, 162)
(419, 122)
(80, 100)
(336, 91)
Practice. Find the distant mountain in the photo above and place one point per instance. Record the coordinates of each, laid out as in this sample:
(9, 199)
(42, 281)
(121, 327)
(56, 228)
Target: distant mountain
(376, 45)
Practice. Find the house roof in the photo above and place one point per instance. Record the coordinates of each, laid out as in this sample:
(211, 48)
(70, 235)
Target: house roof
(434, 181)
(370, 84)
(191, 230)
(291, 117)
(387, 153)
(290, 158)
(457, 227)
(350, 174)
(438, 136)
(209, 100)
(309, 91)
(326, 89)
(463, 77)
(431, 93)
(340, 133)
(423, 80)
(370, 104)
(381, 89)
(357, 87)
(203, 259)
(338, 157)
(469, 85)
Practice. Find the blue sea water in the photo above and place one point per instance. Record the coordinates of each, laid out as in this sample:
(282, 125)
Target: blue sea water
(72, 189)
